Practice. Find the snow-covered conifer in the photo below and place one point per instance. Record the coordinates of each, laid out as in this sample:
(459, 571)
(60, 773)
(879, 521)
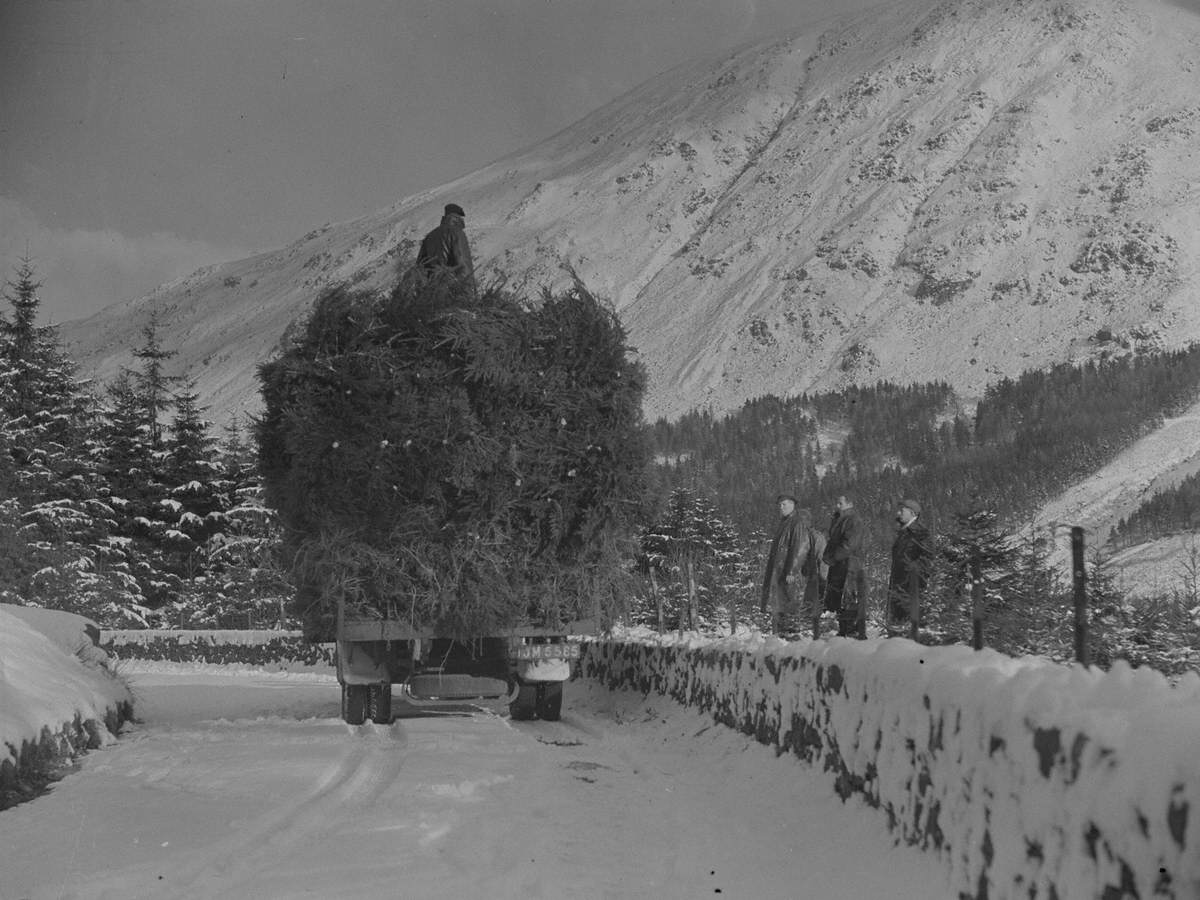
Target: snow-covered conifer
(695, 557)
(60, 518)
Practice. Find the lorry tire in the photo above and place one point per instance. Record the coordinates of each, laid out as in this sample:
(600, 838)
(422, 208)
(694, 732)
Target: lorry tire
(354, 703)
(379, 703)
(524, 707)
(549, 701)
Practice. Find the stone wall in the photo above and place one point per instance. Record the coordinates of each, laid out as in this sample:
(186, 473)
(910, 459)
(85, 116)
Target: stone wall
(1029, 779)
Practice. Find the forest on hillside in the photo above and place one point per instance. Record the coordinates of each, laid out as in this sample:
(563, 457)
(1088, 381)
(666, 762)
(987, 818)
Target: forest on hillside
(1028, 439)
(1170, 511)
(978, 476)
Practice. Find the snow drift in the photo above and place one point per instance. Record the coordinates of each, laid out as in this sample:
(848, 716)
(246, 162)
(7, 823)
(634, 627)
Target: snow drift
(57, 696)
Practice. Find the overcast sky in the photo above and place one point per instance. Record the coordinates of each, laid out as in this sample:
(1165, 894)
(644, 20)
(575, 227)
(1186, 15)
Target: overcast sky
(141, 139)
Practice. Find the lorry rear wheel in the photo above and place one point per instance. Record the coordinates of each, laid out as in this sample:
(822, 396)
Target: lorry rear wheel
(354, 703)
(524, 707)
(549, 701)
(379, 705)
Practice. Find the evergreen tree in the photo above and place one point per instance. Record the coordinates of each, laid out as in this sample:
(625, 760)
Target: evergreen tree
(975, 560)
(41, 400)
(190, 444)
(153, 383)
(172, 496)
(251, 583)
(222, 542)
(58, 526)
(134, 466)
(127, 452)
(197, 493)
(694, 561)
(13, 551)
(1036, 615)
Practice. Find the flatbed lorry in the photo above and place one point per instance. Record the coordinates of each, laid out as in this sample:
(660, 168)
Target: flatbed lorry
(457, 475)
(523, 666)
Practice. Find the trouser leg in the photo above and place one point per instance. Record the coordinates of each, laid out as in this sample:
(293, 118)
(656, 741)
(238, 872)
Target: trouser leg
(786, 613)
(852, 599)
(848, 620)
(813, 603)
(779, 599)
(899, 608)
(860, 588)
(835, 586)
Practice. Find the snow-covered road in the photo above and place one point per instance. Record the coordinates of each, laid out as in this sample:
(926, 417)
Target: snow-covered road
(243, 785)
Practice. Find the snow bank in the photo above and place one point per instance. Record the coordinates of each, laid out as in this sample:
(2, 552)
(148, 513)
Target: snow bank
(70, 632)
(52, 702)
(1029, 778)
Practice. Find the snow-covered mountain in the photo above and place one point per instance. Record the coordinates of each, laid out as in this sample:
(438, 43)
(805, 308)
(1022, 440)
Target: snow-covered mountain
(958, 191)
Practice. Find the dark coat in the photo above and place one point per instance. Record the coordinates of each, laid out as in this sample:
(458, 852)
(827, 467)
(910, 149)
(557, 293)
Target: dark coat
(796, 552)
(846, 538)
(846, 588)
(910, 564)
(446, 247)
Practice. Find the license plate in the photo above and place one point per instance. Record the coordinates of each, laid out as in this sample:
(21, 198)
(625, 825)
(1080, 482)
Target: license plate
(546, 651)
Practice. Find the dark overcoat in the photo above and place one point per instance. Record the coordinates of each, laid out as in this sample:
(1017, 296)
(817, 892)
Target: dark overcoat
(446, 247)
(910, 559)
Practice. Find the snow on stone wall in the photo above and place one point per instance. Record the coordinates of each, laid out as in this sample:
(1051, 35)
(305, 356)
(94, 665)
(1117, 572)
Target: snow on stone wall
(236, 636)
(224, 647)
(1029, 778)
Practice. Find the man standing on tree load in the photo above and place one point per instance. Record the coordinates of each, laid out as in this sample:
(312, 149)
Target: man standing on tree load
(795, 554)
(846, 589)
(906, 585)
(445, 249)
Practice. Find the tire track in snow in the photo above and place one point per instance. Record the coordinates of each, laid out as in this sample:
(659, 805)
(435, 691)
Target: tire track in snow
(362, 764)
(371, 761)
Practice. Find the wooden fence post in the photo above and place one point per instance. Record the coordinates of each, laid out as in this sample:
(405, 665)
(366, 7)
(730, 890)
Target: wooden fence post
(1082, 649)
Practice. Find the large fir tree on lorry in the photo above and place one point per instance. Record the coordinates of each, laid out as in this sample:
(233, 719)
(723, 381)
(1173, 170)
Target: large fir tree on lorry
(461, 461)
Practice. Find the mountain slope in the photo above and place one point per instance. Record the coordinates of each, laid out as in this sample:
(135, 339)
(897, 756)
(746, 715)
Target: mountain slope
(956, 191)
(1156, 462)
